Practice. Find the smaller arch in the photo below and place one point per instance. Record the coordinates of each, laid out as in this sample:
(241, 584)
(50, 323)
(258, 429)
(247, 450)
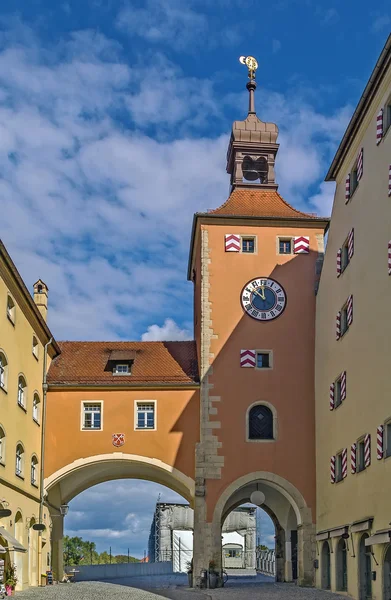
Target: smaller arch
(19, 460)
(3, 370)
(261, 422)
(36, 407)
(34, 470)
(22, 391)
(3, 439)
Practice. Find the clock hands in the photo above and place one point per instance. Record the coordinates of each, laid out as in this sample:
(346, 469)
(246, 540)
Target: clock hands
(262, 287)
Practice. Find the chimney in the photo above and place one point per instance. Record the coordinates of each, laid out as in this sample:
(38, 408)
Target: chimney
(41, 297)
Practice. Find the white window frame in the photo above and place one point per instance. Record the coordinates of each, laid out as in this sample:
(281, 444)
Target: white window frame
(142, 402)
(2, 446)
(11, 310)
(22, 393)
(94, 402)
(284, 238)
(19, 461)
(36, 408)
(34, 471)
(128, 372)
(3, 371)
(35, 348)
(270, 353)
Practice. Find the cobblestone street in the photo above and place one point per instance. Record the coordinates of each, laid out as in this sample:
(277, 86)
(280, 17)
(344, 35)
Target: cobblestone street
(246, 591)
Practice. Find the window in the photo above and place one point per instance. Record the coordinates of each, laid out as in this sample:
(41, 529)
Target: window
(387, 438)
(387, 116)
(233, 553)
(11, 309)
(345, 256)
(121, 370)
(338, 467)
(22, 392)
(35, 347)
(34, 470)
(3, 371)
(19, 465)
(145, 415)
(92, 413)
(284, 245)
(264, 359)
(344, 320)
(360, 458)
(248, 245)
(260, 423)
(338, 392)
(36, 407)
(353, 180)
(2, 446)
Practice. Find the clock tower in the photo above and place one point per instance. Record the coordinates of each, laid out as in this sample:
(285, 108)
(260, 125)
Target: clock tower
(255, 262)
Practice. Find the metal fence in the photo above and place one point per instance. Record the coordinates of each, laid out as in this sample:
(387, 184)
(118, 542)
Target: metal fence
(266, 562)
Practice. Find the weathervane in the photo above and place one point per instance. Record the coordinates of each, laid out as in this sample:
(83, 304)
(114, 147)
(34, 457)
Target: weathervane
(252, 66)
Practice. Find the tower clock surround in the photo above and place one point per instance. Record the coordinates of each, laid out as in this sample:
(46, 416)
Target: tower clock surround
(263, 299)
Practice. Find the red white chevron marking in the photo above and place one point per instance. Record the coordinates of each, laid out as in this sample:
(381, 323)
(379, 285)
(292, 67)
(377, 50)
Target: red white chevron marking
(339, 265)
(353, 448)
(350, 310)
(344, 462)
(301, 245)
(338, 326)
(389, 257)
(232, 242)
(343, 386)
(379, 442)
(367, 449)
(347, 189)
(332, 469)
(247, 358)
(379, 126)
(332, 402)
(351, 244)
(389, 180)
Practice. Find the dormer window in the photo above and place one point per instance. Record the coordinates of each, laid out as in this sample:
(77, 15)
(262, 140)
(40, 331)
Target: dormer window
(121, 370)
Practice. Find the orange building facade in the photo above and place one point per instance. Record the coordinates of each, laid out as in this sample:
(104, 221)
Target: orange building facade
(231, 412)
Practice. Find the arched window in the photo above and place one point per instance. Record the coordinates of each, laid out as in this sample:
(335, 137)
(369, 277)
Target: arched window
(2, 446)
(36, 407)
(22, 391)
(35, 346)
(19, 464)
(34, 470)
(260, 423)
(11, 309)
(3, 371)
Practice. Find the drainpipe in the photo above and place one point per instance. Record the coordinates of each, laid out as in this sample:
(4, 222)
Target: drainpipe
(43, 427)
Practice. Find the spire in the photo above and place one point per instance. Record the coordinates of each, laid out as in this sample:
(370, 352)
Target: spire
(253, 145)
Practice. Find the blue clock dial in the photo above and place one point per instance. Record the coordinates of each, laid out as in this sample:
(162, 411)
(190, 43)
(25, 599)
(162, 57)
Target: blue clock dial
(263, 299)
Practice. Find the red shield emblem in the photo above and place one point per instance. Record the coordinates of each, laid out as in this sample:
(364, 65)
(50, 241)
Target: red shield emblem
(118, 439)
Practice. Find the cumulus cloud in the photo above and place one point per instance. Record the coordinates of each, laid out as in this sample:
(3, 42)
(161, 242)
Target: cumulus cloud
(168, 332)
(323, 200)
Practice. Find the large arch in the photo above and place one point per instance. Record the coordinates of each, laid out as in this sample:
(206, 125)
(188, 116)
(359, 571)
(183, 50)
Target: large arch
(290, 514)
(72, 479)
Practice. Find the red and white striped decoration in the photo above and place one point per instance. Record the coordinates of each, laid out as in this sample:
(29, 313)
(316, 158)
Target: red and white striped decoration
(389, 257)
(347, 189)
(332, 469)
(332, 402)
(367, 449)
(379, 126)
(339, 264)
(301, 244)
(343, 386)
(360, 164)
(344, 462)
(389, 180)
(338, 326)
(350, 310)
(247, 358)
(232, 242)
(351, 243)
(353, 454)
(380, 442)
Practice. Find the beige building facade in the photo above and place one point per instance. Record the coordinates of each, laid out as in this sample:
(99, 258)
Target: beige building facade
(352, 358)
(23, 337)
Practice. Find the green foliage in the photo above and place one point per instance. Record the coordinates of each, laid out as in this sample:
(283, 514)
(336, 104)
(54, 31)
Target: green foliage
(10, 576)
(80, 552)
(262, 547)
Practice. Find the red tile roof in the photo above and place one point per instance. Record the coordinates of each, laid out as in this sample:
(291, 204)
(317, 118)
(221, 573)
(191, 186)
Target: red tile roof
(87, 363)
(259, 203)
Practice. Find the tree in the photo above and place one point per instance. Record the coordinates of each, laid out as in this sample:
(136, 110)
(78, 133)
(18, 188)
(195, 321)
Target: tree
(123, 558)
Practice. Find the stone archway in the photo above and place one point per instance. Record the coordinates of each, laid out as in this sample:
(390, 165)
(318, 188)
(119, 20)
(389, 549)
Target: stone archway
(291, 514)
(66, 483)
(365, 569)
(387, 574)
(325, 566)
(341, 566)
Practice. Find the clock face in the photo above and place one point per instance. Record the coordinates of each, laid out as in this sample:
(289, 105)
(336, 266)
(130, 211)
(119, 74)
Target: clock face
(263, 299)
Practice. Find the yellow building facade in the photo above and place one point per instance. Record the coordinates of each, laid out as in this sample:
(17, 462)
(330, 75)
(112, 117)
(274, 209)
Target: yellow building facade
(352, 359)
(24, 336)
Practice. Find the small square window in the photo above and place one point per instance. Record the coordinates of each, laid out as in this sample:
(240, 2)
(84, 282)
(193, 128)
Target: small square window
(121, 370)
(248, 245)
(338, 467)
(387, 438)
(285, 246)
(360, 458)
(145, 415)
(92, 413)
(338, 392)
(263, 360)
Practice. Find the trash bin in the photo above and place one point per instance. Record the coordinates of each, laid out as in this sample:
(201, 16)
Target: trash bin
(43, 579)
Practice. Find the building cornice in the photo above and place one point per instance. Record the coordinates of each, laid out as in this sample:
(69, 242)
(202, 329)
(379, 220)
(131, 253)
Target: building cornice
(15, 488)
(80, 387)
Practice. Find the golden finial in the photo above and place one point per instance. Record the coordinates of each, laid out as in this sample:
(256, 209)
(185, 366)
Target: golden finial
(251, 63)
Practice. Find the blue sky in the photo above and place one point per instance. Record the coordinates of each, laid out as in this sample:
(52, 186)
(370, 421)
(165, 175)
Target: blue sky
(114, 123)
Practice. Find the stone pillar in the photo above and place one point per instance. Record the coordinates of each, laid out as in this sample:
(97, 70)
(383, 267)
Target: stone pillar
(207, 541)
(249, 546)
(306, 550)
(57, 548)
(288, 557)
(280, 553)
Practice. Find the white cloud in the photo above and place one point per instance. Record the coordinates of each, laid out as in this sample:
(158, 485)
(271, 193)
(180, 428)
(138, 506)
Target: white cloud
(323, 200)
(169, 331)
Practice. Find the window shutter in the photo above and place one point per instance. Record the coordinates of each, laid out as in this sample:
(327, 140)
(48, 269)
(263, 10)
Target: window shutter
(351, 243)
(232, 242)
(353, 448)
(389, 180)
(339, 267)
(379, 126)
(350, 310)
(367, 449)
(332, 469)
(301, 244)
(389, 257)
(247, 358)
(380, 442)
(344, 462)
(332, 386)
(343, 386)
(338, 325)
(347, 189)
(360, 164)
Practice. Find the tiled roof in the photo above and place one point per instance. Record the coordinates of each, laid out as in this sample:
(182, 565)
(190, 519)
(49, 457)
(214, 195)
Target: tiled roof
(86, 363)
(259, 203)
